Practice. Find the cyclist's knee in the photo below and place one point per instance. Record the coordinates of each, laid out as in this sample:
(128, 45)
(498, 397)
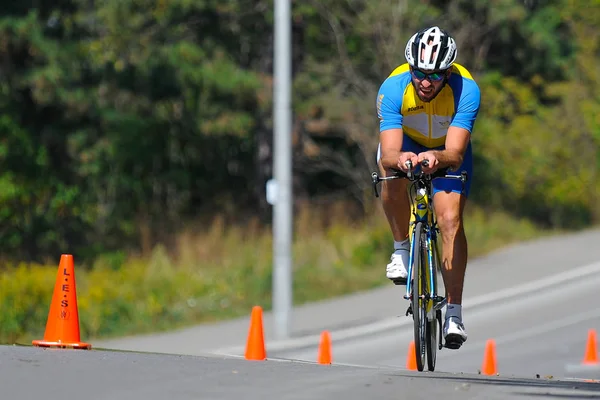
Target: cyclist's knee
(449, 219)
(448, 211)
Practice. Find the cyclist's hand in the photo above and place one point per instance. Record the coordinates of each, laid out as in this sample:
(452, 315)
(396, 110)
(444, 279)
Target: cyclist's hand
(431, 159)
(407, 156)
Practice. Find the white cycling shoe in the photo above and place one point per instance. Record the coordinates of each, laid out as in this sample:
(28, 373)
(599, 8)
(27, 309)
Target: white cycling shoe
(397, 270)
(454, 333)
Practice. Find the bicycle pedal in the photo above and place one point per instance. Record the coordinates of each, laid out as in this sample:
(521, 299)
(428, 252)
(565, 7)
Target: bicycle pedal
(399, 281)
(453, 345)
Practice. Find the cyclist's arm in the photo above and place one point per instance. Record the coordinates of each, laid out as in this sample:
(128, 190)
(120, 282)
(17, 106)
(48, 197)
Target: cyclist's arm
(391, 145)
(457, 140)
(389, 104)
(461, 127)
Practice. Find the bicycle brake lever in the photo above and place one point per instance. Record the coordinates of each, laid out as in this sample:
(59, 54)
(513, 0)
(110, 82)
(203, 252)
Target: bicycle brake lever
(375, 180)
(409, 165)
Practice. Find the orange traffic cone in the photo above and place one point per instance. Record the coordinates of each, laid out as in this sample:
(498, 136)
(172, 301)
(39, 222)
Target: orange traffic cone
(411, 358)
(324, 356)
(591, 353)
(62, 327)
(489, 365)
(255, 345)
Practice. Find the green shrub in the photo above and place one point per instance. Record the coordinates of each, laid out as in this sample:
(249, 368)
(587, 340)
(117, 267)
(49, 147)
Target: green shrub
(218, 275)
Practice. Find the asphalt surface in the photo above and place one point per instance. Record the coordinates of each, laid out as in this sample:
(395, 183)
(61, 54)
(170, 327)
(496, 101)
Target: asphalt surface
(536, 300)
(35, 373)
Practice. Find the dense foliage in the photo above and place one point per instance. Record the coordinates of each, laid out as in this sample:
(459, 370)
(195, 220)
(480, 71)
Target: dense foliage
(122, 120)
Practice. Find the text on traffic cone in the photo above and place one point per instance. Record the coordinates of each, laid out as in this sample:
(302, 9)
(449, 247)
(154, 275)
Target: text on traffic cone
(411, 358)
(255, 345)
(591, 352)
(62, 327)
(324, 356)
(489, 365)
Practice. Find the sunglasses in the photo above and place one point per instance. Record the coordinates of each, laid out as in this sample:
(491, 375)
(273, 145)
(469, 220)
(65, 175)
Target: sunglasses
(434, 76)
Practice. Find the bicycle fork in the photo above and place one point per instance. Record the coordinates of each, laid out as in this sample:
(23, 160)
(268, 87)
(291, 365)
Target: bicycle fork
(438, 301)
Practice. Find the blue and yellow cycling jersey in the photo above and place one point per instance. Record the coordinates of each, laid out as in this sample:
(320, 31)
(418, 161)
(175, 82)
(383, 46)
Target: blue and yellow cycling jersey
(399, 106)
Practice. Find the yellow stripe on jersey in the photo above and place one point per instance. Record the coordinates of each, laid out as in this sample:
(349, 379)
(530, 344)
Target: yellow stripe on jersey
(401, 69)
(427, 122)
(462, 71)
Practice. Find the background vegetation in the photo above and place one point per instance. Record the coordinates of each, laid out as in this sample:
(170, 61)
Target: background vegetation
(137, 135)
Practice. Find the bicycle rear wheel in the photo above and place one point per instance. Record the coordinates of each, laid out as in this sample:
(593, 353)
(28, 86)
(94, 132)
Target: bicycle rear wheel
(418, 291)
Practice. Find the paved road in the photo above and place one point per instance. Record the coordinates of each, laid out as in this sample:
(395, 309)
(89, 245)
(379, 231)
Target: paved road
(539, 322)
(536, 300)
(33, 373)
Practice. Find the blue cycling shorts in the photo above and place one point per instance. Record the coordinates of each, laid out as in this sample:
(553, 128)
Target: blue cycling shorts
(442, 184)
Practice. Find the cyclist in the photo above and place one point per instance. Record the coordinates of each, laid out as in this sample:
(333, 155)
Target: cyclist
(427, 108)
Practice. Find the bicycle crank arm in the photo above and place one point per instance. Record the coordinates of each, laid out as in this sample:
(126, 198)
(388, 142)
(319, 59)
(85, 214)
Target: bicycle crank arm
(440, 302)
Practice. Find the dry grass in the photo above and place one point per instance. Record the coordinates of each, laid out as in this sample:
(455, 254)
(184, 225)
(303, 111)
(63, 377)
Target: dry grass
(222, 271)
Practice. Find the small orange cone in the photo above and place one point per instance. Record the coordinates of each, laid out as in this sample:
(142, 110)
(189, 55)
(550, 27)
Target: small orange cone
(62, 327)
(489, 365)
(411, 358)
(324, 356)
(255, 345)
(591, 352)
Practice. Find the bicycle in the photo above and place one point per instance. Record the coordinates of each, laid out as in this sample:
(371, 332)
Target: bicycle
(424, 262)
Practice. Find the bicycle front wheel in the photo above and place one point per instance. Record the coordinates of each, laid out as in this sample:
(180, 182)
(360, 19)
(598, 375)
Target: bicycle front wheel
(418, 291)
(435, 319)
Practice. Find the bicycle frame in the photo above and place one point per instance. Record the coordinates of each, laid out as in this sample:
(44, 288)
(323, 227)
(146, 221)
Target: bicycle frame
(423, 296)
(422, 211)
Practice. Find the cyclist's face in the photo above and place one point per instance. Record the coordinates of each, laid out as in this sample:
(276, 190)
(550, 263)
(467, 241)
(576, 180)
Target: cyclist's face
(428, 83)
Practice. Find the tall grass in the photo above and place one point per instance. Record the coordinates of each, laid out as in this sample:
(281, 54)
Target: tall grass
(223, 271)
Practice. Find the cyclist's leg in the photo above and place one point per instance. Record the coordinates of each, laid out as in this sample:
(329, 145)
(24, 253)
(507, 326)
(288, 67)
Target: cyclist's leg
(396, 207)
(449, 202)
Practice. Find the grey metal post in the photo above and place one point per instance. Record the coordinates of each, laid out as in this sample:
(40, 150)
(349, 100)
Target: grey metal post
(282, 160)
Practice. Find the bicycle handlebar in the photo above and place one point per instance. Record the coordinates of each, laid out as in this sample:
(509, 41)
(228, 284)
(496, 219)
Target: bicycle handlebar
(440, 173)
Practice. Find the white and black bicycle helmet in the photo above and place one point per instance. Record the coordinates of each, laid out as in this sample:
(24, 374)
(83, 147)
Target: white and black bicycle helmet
(431, 49)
